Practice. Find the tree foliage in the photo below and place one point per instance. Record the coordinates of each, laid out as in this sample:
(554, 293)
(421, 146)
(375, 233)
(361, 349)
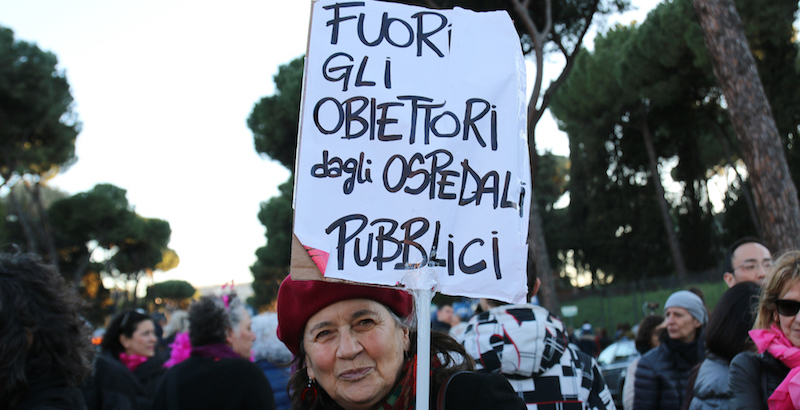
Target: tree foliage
(37, 133)
(102, 222)
(648, 75)
(176, 290)
(39, 127)
(274, 121)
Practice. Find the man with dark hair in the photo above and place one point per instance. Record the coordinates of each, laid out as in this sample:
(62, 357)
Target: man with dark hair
(747, 260)
(444, 316)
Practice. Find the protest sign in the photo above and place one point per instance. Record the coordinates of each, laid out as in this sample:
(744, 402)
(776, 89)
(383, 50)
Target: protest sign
(413, 149)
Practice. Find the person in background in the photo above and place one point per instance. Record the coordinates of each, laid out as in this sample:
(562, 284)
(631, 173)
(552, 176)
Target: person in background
(354, 349)
(602, 340)
(444, 316)
(45, 349)
(457, 326)
(159, 320)
(127, 371)
(646, 338)
(624, 332)
(218, 374)
(663, 373)
(726, 336)
(747, 260)
(770, 378)
(529, 346)
(586, 342)
(272, 356)
(176, 338)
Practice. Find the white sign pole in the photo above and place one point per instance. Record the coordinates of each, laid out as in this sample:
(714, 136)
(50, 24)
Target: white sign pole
(421, 284)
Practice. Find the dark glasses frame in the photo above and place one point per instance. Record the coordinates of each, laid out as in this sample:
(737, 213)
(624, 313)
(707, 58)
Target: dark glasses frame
(787, 307)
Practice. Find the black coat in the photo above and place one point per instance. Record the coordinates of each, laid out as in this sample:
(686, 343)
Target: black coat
(113, 386)
(753, 378)
(50, 393)
(662, 376)
(219, 384)
(467, 391)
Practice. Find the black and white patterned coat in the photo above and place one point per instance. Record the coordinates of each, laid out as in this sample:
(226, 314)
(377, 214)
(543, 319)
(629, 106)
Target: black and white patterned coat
(529, 346)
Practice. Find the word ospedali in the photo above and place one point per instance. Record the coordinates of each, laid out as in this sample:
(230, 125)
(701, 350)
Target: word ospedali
(424, 173)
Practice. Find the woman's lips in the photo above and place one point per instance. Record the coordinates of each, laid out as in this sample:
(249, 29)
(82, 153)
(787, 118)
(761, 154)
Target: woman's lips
(355, 374)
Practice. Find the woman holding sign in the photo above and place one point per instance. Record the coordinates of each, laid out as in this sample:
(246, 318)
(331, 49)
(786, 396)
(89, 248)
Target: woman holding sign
(355, 349)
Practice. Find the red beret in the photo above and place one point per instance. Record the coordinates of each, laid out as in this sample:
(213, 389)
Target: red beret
(298, 300)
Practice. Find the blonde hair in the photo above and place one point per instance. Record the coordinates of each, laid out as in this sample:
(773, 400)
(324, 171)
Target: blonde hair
(785, 273)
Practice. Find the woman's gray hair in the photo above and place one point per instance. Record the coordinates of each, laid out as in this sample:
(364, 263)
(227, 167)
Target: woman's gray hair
(267, 345)
(236, 311)
(178, 323)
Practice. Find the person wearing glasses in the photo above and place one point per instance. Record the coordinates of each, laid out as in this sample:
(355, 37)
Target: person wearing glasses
(748, 260)
(769, 378)
(126, 372)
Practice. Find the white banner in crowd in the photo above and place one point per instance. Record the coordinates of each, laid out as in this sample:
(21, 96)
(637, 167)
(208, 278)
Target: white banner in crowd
(413, 148)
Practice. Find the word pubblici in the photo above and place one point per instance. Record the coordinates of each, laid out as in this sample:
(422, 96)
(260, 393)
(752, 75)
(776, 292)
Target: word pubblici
(374, 134)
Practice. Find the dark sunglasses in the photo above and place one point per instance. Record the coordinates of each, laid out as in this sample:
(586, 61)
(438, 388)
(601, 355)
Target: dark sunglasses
(787, 307)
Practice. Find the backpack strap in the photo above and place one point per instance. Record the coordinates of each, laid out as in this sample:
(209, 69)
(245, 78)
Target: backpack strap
(440, 402)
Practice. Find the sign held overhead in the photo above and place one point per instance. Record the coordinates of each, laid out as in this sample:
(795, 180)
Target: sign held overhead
(413, 149)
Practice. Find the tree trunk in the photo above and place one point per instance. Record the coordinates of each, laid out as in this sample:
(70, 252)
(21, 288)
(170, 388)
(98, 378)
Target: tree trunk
(24, 222)
(672, 238)
(46, 230)
(751, 115)
(751, 206)
(540, 259)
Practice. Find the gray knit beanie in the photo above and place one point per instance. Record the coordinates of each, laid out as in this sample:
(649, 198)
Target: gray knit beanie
(690, 302)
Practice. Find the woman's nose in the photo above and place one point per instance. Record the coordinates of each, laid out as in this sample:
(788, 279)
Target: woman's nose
(349, 346)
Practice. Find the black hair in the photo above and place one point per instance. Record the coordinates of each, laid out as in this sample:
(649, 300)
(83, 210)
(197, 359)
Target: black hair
(210, 319)
(124, 323)
(645, 333)
(727, 264)
(733, 317)
(41, 331)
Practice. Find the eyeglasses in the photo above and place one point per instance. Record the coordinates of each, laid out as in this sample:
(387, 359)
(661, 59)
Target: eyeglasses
(787, 307)
(752, 266)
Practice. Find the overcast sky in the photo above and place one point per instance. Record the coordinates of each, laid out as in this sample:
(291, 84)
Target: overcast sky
(163, 89)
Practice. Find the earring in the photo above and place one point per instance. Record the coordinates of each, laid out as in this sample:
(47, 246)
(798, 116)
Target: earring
(312, 388)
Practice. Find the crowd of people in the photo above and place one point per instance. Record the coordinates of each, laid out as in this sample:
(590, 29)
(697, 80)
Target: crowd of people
(342, 345)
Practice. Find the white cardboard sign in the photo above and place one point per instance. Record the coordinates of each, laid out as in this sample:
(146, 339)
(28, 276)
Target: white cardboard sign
(413, 147)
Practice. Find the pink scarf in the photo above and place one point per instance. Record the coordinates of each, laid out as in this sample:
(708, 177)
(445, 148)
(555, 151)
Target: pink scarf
(181, 349)
(132, 361)
(787, 395)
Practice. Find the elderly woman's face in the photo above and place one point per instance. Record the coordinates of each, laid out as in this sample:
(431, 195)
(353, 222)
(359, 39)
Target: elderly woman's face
(681, 325)
(790, 325)
(241, 338)
(354, 350)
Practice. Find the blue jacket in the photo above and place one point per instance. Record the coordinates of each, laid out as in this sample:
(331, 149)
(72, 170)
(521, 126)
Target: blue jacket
(662, 376)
